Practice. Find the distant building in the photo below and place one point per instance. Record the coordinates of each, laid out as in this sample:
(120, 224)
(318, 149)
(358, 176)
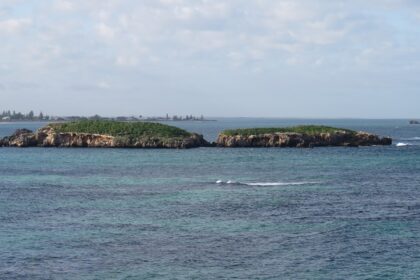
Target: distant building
(6, 119)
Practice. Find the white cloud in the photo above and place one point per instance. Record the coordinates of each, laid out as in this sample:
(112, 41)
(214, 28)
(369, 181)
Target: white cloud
(105, 31)
(103, 85)
(207, 39)
(284, 12)
(64, 5)
(14, 25)
(124, 60)
(169, 28)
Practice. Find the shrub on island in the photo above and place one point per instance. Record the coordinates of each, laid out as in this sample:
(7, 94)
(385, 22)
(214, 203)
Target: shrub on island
(121, 129)
(301, 129)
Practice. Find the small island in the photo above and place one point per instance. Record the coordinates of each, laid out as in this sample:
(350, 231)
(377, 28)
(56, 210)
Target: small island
(298, 136)
(106, 134)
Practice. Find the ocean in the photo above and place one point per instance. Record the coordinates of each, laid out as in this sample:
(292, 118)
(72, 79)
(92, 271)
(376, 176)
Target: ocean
(214, 213)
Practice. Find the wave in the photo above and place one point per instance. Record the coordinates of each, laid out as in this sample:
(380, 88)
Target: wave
(265, 184)
(400, 144)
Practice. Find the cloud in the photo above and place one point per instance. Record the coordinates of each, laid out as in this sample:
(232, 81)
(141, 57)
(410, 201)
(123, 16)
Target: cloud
(226, 45)
(14, 25)
(105, 31)
(124, 60)
(186, 29)
(103, 85)
(63, 5)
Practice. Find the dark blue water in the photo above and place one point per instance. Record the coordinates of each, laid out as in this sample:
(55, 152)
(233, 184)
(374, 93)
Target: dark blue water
(324, 213)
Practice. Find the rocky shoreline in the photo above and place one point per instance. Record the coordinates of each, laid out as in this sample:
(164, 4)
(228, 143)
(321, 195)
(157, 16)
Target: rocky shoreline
(301, 140)
(49, 137)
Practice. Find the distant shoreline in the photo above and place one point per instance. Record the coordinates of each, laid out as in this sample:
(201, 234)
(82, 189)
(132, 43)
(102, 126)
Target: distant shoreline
(13, 116)
(60, 121)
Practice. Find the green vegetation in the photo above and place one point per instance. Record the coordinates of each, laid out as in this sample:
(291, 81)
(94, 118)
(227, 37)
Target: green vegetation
(304, 129)
(18, 116)
(123, 130)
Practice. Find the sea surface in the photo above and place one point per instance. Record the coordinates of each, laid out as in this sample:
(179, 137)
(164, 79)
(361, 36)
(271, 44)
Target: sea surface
(213, 213)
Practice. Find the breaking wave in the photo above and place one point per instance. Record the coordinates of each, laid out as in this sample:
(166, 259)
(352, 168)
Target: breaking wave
(265, 184)
(403, 144)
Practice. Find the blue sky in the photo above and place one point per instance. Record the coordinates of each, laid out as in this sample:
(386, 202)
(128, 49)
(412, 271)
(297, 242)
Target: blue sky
(261, 58)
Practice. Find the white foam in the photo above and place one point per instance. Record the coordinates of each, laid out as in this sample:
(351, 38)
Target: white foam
(267, 184)
(402, 144)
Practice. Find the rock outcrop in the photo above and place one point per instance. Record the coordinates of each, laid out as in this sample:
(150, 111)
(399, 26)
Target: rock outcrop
(339, 138)
(48, 137)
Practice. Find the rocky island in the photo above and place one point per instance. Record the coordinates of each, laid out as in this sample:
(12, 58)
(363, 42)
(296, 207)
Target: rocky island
(298, 136)
(105, 134)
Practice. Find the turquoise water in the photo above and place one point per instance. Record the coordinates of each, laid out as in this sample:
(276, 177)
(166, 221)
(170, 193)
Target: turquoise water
(324, 213)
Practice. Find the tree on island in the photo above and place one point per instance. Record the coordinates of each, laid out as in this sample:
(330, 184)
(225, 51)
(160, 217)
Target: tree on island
(18, 116)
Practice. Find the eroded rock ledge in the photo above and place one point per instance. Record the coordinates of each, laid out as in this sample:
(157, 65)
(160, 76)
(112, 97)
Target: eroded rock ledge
(48, 137)
(302, 140)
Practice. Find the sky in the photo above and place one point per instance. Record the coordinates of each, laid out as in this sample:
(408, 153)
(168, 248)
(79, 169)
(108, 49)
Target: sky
(226, 58)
